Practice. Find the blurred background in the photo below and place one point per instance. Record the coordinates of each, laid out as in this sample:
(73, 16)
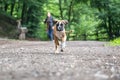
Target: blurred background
(89, 19)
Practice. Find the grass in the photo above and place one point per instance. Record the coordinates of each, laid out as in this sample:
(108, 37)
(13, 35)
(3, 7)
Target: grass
(115, 42)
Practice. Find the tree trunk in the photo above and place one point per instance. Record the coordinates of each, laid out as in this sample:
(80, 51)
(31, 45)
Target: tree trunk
(12, 8)
(70, 10)
(110, 28)
(85, 36)
(97, 34)
(6, 7)
(24, 13)
(60, 7)
(69, 15)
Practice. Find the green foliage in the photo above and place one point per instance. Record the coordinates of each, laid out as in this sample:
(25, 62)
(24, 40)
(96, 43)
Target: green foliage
(89, 19)
(108, 13)
(7, 26)
(115, 42)
(41, 32)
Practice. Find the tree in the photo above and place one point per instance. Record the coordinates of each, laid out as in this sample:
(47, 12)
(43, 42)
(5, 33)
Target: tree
(108, 13)
(90, 19)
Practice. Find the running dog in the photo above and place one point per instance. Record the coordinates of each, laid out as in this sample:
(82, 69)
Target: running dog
(59, 33)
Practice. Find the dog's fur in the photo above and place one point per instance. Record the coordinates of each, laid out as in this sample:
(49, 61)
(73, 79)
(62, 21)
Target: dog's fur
(59, 33)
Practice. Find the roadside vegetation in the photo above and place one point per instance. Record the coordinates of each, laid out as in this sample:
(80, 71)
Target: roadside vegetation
(89, 19)
(115, 42)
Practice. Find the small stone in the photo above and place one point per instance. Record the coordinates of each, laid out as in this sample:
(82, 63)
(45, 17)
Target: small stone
(101, 75)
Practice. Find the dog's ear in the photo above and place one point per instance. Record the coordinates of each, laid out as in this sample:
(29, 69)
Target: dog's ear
(65, 21)
(55, 21)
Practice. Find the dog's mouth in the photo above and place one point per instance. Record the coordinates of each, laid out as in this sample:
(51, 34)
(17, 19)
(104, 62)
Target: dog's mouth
(60, 27)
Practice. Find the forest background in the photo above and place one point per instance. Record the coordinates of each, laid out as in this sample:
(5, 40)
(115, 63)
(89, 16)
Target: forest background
(89, 19)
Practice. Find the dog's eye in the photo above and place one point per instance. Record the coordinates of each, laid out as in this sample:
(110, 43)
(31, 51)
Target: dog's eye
(61, 24)
(57, 24)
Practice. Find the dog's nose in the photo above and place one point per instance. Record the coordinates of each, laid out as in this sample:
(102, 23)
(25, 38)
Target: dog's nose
(59, 28)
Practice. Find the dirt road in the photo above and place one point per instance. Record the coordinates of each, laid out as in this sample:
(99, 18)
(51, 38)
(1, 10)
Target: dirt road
(81, 60)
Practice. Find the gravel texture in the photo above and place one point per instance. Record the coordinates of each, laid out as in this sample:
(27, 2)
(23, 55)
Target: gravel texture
(81, 60)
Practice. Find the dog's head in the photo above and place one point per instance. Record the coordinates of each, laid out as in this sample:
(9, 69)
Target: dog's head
(60, 24)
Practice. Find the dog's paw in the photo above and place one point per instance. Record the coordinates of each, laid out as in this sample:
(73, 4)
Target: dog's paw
(63, 45)
(62, 50)
(56, 51)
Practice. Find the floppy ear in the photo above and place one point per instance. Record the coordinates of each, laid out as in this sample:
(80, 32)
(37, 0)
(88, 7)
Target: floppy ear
(55, 21)
(65, 21)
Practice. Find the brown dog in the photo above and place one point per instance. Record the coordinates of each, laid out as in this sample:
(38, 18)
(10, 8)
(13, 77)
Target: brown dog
(60, 34)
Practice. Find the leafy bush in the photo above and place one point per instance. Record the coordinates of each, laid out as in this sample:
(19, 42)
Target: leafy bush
(115, 42)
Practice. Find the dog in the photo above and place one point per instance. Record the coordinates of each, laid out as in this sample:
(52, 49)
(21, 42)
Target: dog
(59, 33)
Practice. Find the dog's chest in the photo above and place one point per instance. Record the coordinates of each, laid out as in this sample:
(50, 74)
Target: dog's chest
(59, 34)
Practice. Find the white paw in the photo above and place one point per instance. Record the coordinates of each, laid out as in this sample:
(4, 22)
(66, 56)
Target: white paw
(63, 45)
(56, 51)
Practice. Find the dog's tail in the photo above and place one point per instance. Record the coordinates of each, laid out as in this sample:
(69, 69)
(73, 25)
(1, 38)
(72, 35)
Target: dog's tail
(68, 31)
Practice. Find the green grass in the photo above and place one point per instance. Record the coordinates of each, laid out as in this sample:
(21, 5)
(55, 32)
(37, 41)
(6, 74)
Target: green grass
(115, 42)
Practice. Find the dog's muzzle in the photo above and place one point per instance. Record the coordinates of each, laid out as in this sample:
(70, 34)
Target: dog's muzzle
(60, 27)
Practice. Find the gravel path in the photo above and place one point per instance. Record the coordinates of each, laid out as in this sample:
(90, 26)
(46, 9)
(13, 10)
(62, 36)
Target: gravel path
(81, 60)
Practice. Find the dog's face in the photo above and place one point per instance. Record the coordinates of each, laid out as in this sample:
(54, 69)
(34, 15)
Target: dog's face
(60, 34)
(60, 25)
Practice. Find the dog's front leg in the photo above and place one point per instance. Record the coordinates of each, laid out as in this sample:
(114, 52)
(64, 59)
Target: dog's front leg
(63, 43)
(56, 44)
